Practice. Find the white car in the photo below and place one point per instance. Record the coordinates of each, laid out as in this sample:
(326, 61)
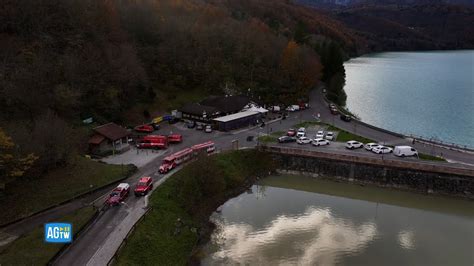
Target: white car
(320, 142)
(320, 134)
(352, 144)
(300, 134)
(380, 149)
(329, 135)
(301, 129)
(370, 146)
(208, 129)
(304, 140)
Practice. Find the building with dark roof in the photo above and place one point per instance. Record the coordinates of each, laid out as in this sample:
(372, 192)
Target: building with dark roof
(109, 138)
(213, 107)
(227, 104)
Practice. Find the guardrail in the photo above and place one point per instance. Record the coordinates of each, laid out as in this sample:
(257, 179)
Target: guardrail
(431, 141)
(124, 241)
(69, 200)
(65, 247)
(419, 166)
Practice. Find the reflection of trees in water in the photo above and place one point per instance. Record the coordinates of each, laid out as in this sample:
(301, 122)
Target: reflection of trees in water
(315, 237)
(260, 191)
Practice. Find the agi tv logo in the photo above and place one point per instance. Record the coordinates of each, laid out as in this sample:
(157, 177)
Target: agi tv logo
(58, 233)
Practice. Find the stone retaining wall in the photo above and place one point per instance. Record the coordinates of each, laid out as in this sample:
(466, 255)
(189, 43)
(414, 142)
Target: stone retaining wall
(421, 177)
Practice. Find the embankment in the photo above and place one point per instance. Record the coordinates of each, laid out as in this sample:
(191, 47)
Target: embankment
(438, 178)
(179, 219)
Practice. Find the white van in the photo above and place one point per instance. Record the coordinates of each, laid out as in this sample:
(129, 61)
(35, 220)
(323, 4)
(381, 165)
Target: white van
(403, 151)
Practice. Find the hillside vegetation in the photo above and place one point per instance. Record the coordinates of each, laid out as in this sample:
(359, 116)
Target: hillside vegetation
(116, 60)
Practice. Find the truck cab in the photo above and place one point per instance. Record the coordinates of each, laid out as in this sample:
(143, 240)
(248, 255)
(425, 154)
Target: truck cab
(167, 165)
(118, 195)
(144, 186)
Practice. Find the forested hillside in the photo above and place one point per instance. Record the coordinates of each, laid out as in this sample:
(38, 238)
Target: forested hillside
(393, 25)
(65, 60)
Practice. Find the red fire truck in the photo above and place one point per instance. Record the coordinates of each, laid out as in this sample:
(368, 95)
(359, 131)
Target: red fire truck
(175, 138)
(206, 146)
(170, 162)
(153, 142)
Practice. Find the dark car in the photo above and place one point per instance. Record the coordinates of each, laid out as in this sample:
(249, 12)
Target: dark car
(286, 139)
(249, 138)
(346, 118)
(191, 124)
(174, 120)
(155, 126)
(334, 111)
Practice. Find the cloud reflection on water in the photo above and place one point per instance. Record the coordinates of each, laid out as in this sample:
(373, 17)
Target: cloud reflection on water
(325, 239)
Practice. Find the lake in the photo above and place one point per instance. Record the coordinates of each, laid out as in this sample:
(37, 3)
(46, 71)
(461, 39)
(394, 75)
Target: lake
(429, 94)
(297, 220)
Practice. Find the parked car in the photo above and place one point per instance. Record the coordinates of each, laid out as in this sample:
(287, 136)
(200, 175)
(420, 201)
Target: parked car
(249, 138)
(144, 128)
(380, 149)
(174, 120)
(370, 146)
(191, 124)
(304, 140)
(334, 111)
(144, 186)
(293, 108)
(291, 132)
(329, 135)
(300, 134)
(346, 118)
(403, 151)
(320, 142)
(352, 144)
(155, 126)
(320, 134)
(285, 139)
(119, 194)
(275, 109)
(208, 129)
(199, 127)
(301, 129)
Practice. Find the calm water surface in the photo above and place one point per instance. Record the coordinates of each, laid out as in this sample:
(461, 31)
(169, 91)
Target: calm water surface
(430, 94)
(293, 220)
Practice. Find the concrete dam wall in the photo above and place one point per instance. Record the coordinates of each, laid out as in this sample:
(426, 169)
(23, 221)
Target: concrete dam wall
(439, 178)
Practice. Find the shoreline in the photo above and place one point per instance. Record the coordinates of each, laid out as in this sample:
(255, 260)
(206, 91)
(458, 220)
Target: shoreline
(462, 144)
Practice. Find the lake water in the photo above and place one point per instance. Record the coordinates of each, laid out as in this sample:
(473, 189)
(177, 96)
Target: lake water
(295, 220)
(430, 94)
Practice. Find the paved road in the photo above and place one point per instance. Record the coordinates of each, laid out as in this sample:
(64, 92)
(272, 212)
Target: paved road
(97, 234)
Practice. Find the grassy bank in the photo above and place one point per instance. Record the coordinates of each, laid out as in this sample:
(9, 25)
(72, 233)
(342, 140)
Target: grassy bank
(428, 157)
(271, 137)
(190, 195)
(26, 196)
(30, 249)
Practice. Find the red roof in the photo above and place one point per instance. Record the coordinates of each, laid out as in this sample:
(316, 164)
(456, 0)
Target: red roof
(112, 131)
(96, 139)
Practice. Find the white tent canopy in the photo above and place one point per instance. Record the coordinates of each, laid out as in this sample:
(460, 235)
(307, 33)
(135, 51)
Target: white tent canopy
(255, 108)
